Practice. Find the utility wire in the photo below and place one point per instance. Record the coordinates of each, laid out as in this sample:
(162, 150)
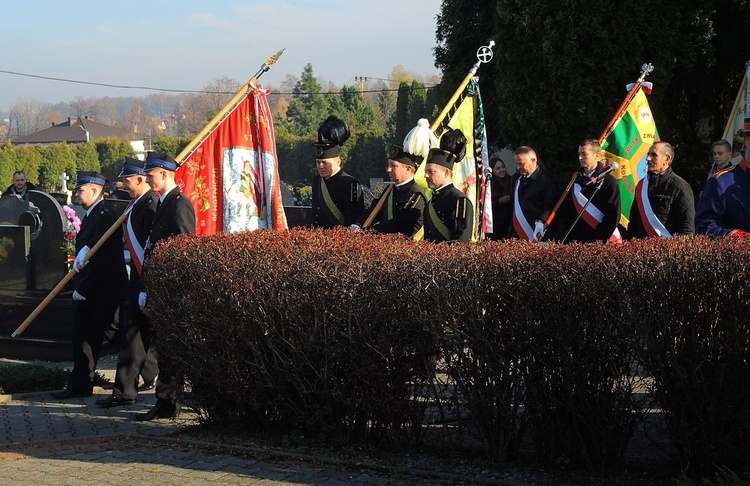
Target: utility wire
(149, 88)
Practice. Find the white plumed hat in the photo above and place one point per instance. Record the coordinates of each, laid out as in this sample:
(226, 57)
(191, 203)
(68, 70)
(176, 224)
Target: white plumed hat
(420, 139)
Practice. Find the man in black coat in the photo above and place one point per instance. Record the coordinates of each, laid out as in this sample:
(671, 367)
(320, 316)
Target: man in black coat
(174, 216)
(20, 186)
(664, 203)
(449, 215)
(98, 286)
(599, 217)
(135, 333)
(401, 212)
(534, 196)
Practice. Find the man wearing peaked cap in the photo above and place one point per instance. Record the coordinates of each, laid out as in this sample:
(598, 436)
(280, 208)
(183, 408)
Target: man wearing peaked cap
(336, 196)
(135, 333)
(449, 215)
(98, 284)
(174, 216)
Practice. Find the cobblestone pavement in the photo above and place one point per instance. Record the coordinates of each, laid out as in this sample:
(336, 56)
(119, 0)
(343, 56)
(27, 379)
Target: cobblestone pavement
(47, 441)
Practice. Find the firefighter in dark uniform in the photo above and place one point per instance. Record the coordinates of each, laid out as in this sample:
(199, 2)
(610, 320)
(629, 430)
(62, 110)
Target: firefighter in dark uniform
(336, 196)
(402, 210)
(98, 286)
(174, 216)
(135, 333)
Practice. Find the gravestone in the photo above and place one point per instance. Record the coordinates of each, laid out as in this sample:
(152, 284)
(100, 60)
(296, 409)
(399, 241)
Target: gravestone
(31, 239)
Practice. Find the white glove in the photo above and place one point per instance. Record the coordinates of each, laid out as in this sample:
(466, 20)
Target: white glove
(78, 263)
(538, 230)
(355, 227)
(78, 297)
(142, 300)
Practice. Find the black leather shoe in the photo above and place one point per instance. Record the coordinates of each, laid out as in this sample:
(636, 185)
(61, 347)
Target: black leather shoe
(147, 385)
(67, 394)
(114, 401)
(157, 412)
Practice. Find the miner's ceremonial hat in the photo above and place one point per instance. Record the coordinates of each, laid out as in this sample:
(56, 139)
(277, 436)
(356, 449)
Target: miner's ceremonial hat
(400, 155)
(332, 134)
(89, 177)
(442, 157)
(325, 150)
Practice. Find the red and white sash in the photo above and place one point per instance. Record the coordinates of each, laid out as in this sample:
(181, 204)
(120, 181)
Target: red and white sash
(592, 215)
(520, 223)
(134, 247)
(651, 223)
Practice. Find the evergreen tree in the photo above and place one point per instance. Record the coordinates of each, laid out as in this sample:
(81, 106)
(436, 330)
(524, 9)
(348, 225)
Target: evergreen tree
(56, 159)
(111, 152)
(560, 68)
(7, 165)
(87, 157)
(308, 107)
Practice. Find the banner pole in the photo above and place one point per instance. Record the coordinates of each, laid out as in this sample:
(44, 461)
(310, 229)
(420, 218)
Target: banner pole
(728, 127)
(182, 155)
(646, 69)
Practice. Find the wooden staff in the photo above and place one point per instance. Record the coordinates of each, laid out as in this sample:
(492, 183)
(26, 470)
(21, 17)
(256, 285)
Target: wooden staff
(378, 206)
(646, 69)
(67, 278)
(182, 156)
(735, 107)
(553, 213)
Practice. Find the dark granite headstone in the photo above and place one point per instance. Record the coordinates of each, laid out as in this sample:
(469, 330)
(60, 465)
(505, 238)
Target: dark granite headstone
(298, 216)
(47, 257)
(15, 244)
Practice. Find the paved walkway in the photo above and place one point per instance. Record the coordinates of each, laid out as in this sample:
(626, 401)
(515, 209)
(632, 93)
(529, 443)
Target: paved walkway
(47, 441)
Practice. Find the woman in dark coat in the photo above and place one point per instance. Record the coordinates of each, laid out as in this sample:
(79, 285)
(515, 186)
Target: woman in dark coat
(500, 192)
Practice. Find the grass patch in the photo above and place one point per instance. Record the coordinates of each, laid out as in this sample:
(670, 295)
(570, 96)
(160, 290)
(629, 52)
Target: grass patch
(26, 378)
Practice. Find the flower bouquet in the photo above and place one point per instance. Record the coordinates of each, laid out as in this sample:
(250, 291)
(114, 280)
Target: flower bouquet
(72, 227)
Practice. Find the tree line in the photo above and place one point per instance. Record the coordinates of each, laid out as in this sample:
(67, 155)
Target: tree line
(377, 118)
(558, 76)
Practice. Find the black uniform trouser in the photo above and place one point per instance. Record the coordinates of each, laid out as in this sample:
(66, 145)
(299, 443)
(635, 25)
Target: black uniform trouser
(90, 326)
(134, 357)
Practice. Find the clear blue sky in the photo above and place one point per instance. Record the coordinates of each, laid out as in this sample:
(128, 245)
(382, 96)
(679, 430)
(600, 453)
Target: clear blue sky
(186, 44)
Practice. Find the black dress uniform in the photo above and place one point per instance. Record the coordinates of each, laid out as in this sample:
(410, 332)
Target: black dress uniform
(344, 203)
(174, 216)
(102, 281)
(134, 358)
(454, 210)
(606, 201)
(401, 212)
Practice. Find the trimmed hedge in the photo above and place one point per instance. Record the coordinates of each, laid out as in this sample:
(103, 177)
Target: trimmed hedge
(357, 337)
